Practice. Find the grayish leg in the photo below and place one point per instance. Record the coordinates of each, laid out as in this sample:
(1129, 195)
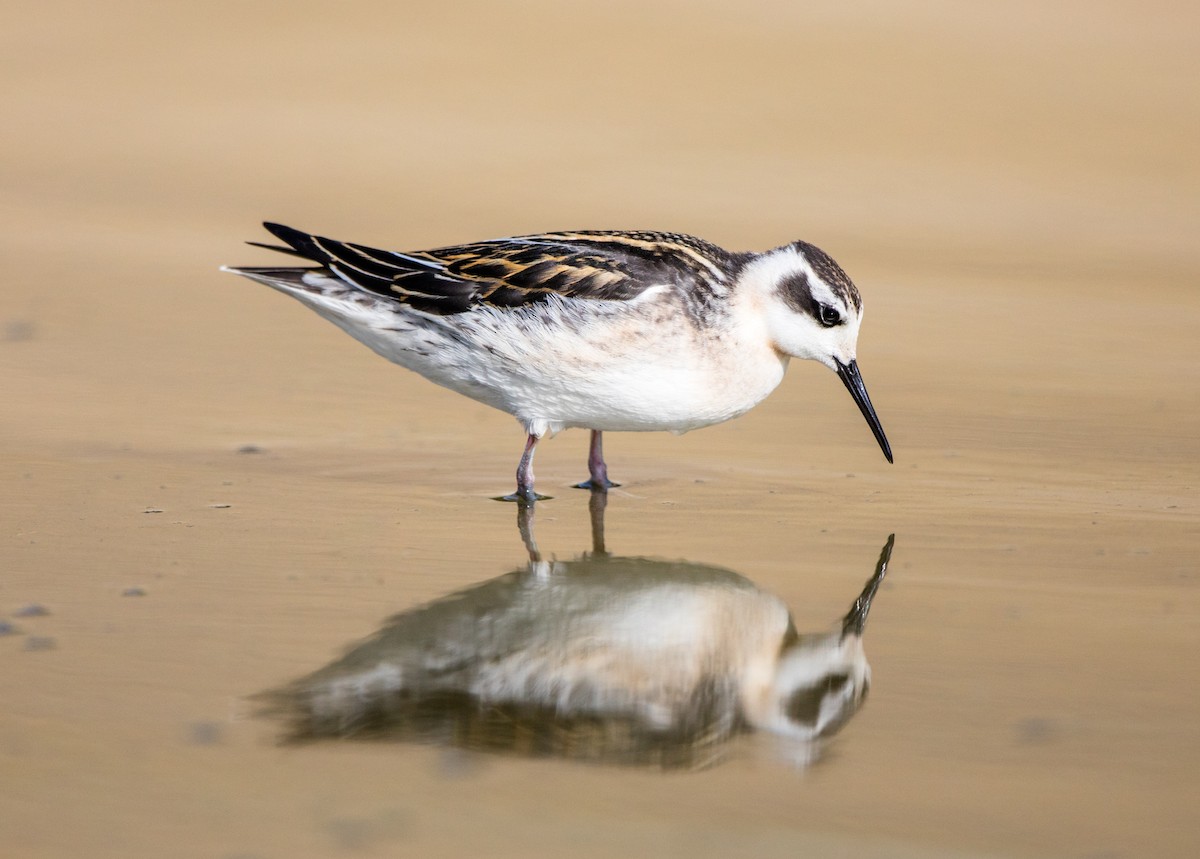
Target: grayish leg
(596, 505)
(525, 493)
(598, 471)
(525, 529)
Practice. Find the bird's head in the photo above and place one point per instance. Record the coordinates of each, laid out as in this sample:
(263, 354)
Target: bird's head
(821, 680)
(819, 684)
(812, 310)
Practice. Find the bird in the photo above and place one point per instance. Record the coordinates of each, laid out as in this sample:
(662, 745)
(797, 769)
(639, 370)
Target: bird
(604, 330)
(624, 658)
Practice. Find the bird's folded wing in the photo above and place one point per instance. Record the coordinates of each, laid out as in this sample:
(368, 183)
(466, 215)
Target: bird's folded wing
(612, 266)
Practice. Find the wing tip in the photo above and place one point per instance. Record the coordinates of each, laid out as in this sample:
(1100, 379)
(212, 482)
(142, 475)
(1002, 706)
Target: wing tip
(301, 243)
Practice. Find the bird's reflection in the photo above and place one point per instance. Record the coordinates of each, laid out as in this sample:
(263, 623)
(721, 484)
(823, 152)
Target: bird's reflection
(604, 658)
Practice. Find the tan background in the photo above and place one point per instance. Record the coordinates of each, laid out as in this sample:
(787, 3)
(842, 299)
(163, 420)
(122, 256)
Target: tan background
(1013, 187)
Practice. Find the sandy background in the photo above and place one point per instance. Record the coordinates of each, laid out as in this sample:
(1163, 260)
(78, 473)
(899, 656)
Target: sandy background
(1014, 190)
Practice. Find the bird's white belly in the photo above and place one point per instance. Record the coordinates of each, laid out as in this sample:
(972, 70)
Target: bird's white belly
(629, 395)
(618, 370)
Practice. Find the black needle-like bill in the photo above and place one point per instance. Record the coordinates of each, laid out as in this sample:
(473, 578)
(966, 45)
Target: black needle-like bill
(850, 376)
(856, 619)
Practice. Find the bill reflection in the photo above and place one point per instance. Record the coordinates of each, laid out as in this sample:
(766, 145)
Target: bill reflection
(603, 658)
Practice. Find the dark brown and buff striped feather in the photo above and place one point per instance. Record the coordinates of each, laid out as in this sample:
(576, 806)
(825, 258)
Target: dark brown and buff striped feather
(601, 265)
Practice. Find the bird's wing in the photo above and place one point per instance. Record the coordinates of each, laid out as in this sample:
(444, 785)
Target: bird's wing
(613, 266)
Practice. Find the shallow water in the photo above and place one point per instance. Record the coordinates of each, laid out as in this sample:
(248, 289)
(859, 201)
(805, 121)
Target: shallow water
(211, 492)
(603, 657)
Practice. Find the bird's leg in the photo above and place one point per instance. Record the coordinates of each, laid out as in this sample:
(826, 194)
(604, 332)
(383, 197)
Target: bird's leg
(540, 569)
(596, 505)
(598, 471)
(525, 493)
(525, 529)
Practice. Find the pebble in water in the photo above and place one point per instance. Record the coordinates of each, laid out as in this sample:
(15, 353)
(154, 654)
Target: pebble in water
(204, 733)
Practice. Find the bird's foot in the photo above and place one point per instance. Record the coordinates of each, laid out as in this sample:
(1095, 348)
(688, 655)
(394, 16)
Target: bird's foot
(524, 496)
(596, 485)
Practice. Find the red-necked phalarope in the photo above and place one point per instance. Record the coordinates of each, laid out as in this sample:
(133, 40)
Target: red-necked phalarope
(603, 330)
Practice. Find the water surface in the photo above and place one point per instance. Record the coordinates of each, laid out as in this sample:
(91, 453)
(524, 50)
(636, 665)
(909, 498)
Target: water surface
(212, 493)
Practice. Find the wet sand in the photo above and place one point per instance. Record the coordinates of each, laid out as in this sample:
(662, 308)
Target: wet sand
(1014, 195)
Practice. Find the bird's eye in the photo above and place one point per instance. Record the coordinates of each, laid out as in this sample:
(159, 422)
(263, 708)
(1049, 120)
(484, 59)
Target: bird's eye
(836, 682)
(829, 316)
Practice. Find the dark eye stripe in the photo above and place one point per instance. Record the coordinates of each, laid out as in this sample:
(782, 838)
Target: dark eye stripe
(836, 682)
(797, 292)
(804, 705)
(830, 272)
